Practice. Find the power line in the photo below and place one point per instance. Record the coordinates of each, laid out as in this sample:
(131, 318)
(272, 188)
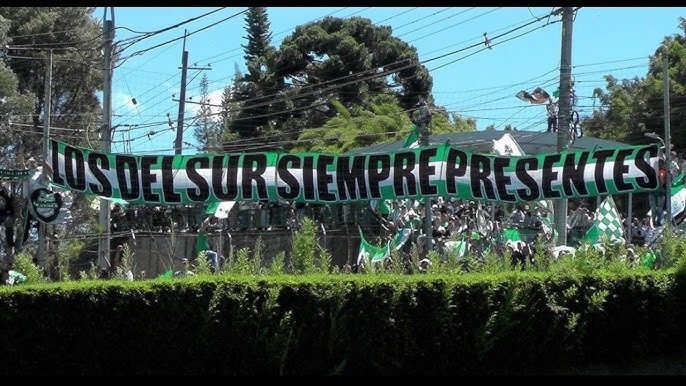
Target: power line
(383, 73)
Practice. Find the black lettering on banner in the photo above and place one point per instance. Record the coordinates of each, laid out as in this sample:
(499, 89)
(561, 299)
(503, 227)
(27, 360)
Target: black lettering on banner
(308, 177)
(56, 177)
(526, 179)
(575, 175)
(148, 178)
(549, 176)
(650, 179)
(293, 189)
(376, 176)
(620, 169)
(78, 183)
(601, 156)
(218, 172)
(202, 193)
(452, 173)
(170, 196)
(351, 180)
(124, 162)
(250, 175)
(501, 180)
(426, 171)
(403, 164)
(480, 170)
(324, 178)
(106, 190)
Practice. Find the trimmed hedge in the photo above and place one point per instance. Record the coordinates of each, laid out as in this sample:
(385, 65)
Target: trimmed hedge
(342, 324)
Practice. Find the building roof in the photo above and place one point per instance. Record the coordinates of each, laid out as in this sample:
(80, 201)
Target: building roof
(532, 142)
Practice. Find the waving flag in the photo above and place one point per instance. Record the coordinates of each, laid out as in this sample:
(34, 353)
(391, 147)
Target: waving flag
(412, 139)
(372, 253)
(607, 224)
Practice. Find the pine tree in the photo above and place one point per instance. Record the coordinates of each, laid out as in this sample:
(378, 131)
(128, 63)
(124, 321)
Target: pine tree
(259, 37)
(205, 131)
(259, 83)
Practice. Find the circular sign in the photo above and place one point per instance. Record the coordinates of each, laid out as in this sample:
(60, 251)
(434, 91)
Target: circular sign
(46, 205)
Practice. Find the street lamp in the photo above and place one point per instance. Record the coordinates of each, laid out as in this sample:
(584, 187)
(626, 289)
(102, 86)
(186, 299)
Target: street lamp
(655, 136)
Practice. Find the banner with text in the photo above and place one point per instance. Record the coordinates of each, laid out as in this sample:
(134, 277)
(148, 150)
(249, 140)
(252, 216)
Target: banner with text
(441, 170)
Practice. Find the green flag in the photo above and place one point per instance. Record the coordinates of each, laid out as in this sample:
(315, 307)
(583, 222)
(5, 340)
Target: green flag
(607, 224)
(167, 275)
(372, 253)
(412, 139)
(511, 234)
(648, 260)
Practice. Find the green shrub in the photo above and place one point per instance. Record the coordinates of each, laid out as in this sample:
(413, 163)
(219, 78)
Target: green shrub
(511, 323)
(202, 265)
(68, 251)
(278, 264)
(305, 248)
(257, 257)
(23, 263)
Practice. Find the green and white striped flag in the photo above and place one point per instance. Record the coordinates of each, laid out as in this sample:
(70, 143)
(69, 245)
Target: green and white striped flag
(607, 224)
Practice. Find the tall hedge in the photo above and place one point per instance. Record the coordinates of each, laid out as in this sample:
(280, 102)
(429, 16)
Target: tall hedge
(342, 324)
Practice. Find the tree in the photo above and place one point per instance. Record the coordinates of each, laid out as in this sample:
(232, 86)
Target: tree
(382, 120)
(259, 37)
(206, 128)
(75, 37)
(632, 107)
(15, 108)
(256, 88)
(341, 59)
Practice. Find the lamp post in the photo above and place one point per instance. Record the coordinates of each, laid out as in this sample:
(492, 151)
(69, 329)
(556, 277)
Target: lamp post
(423, 120)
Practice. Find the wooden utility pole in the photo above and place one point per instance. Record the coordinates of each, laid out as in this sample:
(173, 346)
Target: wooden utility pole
(182, 98)
(564, 115)
(668, 137)
(106, 136)
(47, 107)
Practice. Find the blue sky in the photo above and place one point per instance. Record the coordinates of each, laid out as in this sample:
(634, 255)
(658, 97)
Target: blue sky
(480, 86)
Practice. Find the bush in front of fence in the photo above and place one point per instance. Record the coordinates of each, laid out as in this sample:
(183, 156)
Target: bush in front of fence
(521, 322)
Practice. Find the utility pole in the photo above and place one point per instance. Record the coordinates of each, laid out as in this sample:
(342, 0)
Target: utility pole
(668, 137)
(423, 121)
(106, 136)
(564, 114)
(42, 227)
(182, 98)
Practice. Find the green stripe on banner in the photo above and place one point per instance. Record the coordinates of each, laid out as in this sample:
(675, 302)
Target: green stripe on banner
(416, 173)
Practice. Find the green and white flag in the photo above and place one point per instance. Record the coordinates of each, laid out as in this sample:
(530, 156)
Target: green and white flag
(401, 238)
(607, 225)
(512, 238)
(412, 140)
(371, 253)
(458, 246)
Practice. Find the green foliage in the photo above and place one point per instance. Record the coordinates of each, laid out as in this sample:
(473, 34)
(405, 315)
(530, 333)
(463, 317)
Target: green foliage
(277, 266)
(241, 265)
(672, 250)
(305, 246)
(202, 265)
(257, 257)
(23, 263)
(76, 81)
(352, 324)
(633, 107)
(68, 251)
(325, 260)
(125, 263)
